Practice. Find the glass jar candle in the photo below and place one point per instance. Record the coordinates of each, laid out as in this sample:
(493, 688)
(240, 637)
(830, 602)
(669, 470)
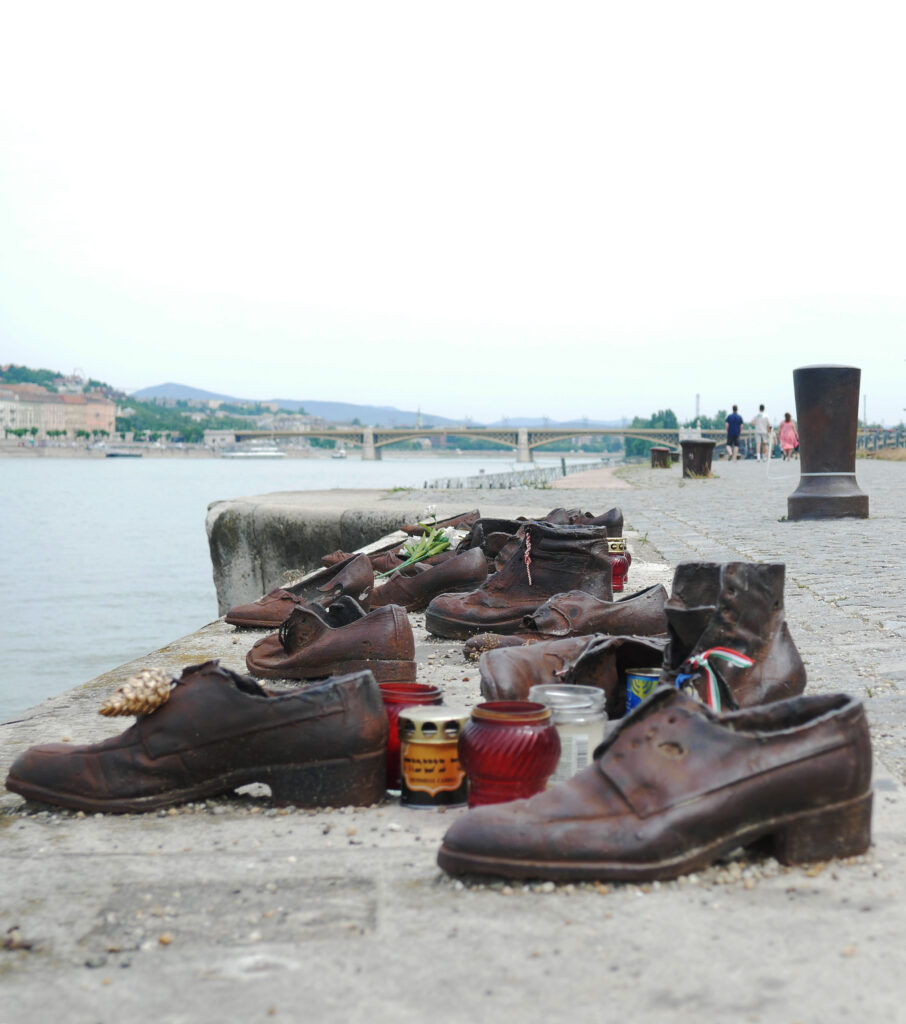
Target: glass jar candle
(396, 697)
(580, 719)
(509, 749)
(429, 757)
(620, 560)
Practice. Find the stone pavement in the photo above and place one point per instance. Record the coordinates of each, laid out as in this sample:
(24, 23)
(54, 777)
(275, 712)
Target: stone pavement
(230, 909)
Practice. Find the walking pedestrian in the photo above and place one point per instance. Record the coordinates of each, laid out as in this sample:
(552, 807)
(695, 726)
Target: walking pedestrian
(788, 436)
(734, 429)
(762, 427)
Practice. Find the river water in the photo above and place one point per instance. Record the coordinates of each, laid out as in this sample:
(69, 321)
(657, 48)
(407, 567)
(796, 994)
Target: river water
(104, 560)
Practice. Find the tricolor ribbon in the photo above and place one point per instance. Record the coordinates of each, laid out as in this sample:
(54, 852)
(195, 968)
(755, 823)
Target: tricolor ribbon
(699, 662)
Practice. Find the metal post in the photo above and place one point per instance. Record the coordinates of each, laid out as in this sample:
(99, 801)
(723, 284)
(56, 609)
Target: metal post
(827, 410)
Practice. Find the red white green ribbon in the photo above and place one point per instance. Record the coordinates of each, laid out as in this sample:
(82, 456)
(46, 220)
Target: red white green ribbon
(702, 662)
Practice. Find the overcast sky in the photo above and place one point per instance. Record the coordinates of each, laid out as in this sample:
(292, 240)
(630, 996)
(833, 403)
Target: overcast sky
(482, 209)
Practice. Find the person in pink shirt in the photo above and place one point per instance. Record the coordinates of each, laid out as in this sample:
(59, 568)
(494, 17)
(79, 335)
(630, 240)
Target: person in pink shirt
(789, 438)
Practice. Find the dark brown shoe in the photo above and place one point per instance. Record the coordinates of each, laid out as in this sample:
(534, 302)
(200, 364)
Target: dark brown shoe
(323, 746)
(354, 577)
(579, 614)
(612, 520)
(601, 661)
(549, 560)
(414, 587)
(736, 606)
(675, 787)
(307, 647)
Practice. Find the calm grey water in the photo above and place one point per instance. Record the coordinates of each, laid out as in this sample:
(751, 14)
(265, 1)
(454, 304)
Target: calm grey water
(104, 560)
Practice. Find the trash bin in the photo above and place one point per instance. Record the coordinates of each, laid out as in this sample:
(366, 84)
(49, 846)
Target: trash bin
(660, 457)
(697, 457)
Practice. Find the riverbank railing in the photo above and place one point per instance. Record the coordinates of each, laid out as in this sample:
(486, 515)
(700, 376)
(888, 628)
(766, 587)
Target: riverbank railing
(535, 477)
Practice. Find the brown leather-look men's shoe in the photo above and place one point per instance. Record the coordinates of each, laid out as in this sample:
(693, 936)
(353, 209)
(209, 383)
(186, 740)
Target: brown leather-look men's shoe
(736, 606)
(354, 577)
(675, 787)
(600, 660)
(549, 560)
(307, 647)
(414, 587)
(322, 746)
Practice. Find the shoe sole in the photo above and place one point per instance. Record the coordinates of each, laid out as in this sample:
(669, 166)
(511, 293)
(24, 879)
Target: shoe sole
(254, 623)
(384, 671)
(453, 629)
(340, 782)
(840, 830)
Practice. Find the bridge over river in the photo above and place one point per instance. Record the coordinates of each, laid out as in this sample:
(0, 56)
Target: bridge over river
(525, 440)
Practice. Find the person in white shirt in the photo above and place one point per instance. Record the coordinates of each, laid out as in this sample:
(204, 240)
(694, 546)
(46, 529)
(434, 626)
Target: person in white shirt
(762, 427)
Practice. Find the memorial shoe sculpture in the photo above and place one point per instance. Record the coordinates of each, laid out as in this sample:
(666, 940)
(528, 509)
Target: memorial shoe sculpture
(308, 647)
(212, 730)
(353, 576)
(676, 786)
(576, 613)
(414, 587)
(600, 661)
(548, 560)
(728, 634)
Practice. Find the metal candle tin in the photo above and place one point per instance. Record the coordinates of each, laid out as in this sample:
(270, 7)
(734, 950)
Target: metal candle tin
(429, 757)
(640, 683)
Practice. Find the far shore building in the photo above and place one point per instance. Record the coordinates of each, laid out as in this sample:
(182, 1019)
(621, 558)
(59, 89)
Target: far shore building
(33, 408)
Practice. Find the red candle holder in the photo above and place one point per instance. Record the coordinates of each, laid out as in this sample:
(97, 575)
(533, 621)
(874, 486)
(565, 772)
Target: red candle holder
(620, 560)
(396, 697)
(509, 749)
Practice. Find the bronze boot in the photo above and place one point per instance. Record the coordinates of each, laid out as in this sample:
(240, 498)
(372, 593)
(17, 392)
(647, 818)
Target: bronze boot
(549, 560)
(738, 608)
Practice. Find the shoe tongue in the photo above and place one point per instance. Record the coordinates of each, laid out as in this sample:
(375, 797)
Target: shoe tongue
(302, 626)
(663, 697)
(208, 669)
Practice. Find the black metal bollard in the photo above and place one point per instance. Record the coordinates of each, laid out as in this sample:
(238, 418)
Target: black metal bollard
(827, 410)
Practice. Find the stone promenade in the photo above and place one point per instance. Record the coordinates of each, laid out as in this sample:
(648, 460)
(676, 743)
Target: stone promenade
(231, 910)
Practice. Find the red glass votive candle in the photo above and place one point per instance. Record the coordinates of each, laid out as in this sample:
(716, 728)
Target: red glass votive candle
(396, 697)
(509, 749)
(620, 560)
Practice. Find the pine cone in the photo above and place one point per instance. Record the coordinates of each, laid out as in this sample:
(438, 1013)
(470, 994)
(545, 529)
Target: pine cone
(146, 691)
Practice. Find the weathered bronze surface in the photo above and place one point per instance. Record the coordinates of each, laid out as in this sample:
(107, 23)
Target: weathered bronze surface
(827, 410)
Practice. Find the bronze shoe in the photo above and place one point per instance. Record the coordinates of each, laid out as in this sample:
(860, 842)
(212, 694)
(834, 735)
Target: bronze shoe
(322, 746)
(579, 614)
(354, 577)
(307, 647)
(600, 660)
(675, 787)
(414, 587)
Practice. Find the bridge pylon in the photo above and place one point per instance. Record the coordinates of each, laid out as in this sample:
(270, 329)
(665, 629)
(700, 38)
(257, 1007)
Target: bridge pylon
(523, 452)
(370, 453)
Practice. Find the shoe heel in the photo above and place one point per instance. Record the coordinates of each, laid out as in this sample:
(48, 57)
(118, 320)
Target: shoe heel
(345, 782)
(843, 830)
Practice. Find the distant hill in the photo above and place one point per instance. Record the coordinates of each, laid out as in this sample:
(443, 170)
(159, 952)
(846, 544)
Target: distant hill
(333, 412)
